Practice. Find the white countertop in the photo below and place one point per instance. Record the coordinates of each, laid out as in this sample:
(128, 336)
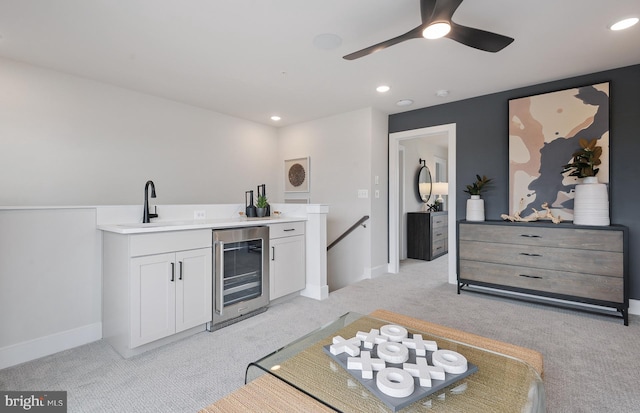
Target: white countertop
(163, 226)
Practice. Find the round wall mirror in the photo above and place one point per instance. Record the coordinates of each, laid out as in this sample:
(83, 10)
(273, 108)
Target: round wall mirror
(424, 182)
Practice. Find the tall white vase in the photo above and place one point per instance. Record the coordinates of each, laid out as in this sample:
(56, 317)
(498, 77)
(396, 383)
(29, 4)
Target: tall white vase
(591, 203)
(475, 208)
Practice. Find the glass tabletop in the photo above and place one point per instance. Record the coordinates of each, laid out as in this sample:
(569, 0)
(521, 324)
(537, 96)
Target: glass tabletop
(501, 384)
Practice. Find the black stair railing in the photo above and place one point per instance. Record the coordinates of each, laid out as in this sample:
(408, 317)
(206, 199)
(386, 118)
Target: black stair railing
(361, 221)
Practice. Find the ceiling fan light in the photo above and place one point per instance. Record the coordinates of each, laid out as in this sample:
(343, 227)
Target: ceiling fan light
(436, 30)
(624, 24)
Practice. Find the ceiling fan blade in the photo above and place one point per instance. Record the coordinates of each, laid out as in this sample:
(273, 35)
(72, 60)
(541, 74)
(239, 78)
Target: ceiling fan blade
(426, 10)
(411, 34)
(444, 9)
(479, 39)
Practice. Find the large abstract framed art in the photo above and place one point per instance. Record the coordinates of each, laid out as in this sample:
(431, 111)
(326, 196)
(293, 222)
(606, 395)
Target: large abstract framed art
(544, 131)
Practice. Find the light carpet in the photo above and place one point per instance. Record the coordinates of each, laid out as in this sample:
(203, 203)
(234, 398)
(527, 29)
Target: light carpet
(590, 361)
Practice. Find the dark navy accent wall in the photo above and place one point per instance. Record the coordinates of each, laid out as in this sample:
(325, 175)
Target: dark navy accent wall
(482, 147)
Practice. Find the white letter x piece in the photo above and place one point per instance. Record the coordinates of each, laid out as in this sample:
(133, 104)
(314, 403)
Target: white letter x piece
(424, 371)
(340, 345)
(420, 345)
(371, 338)
(366, 364)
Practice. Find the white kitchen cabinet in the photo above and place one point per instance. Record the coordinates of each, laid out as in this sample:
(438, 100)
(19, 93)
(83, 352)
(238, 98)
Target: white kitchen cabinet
(194, 288)
(156, 287)
(286, 259)
(170, 293)
(153, 298)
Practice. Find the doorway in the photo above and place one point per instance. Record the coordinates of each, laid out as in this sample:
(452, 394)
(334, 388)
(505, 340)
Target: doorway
(395, 187)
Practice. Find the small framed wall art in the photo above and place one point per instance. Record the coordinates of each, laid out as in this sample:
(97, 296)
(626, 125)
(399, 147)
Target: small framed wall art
(296, 175)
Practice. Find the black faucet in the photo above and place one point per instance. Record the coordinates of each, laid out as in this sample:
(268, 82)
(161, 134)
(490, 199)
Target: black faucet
(146, 217)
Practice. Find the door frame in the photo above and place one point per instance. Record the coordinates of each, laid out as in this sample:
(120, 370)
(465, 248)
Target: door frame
(394, 202)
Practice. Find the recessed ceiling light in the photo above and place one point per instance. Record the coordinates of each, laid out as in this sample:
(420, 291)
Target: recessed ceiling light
(624, 24)
(383, 88)
(404, 102)
(275, 118)
(442, 93)
(436, 30)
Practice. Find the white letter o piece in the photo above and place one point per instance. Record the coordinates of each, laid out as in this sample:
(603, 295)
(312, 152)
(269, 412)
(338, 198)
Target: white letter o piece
(395, 353)
(395, 382)
(451, 361)
(393, 332)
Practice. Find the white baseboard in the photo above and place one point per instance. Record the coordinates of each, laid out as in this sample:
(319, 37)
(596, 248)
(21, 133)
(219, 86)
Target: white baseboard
(371, 273)
(44, 346)
(634, 307)
(316, 292)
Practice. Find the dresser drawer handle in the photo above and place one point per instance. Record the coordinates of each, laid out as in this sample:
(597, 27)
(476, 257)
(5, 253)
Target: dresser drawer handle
(530, 255)
(531, 276)
(530, 236)
(289, 229)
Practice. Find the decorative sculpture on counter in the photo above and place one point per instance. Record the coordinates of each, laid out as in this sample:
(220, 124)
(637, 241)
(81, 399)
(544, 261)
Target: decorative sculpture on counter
(249, 208)
(537, 215)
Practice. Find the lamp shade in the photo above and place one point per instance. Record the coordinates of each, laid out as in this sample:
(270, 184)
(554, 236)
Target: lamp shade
(440, 188)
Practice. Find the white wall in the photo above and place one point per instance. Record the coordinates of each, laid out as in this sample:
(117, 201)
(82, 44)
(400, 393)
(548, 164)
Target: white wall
(346, 152)
(416, 149)
(50, 281)
(71, 141)
(379, 206)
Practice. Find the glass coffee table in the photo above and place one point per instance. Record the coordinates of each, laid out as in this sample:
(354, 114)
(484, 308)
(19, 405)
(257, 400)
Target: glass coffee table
(501, 384)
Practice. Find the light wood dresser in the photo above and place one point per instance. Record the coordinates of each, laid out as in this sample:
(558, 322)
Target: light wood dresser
(569, 262)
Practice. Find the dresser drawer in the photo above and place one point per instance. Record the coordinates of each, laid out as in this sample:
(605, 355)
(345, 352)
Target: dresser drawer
(544, 236)
(439, 248)
(439, 221)
(563, 259)
(590, 286)
(439, 234)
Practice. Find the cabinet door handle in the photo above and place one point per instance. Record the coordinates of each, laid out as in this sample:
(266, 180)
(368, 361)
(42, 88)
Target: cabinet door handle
(530, 236)
(219, 270)
(180, 273)
(273, 253)
(531, 276)
(530, 254)
(173, 272)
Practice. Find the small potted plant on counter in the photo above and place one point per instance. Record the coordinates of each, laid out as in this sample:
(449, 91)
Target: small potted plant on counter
(475, 205)
(261, 206)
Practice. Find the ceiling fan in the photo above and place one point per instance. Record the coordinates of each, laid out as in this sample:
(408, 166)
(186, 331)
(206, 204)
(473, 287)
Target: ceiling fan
(436, 22)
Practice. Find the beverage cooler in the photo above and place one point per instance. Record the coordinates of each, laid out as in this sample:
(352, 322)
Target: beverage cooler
(241, 274)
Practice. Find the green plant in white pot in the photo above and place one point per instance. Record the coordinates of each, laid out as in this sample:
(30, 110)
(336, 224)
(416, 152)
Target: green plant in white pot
(475, 205)
(591, 199)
